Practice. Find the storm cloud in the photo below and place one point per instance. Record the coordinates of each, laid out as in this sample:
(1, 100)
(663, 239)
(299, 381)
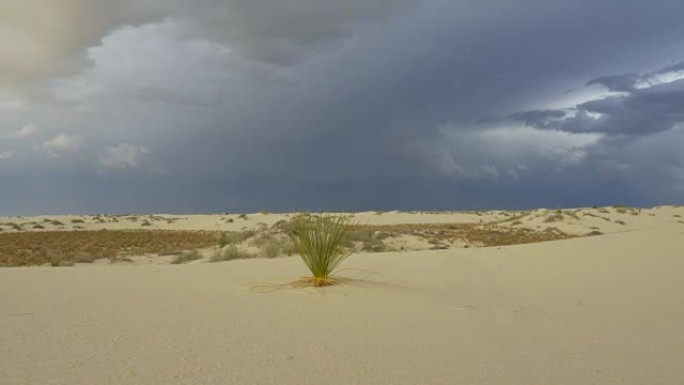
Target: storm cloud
(208, 106)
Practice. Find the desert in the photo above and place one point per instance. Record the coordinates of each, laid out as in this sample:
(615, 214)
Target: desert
(546, 296)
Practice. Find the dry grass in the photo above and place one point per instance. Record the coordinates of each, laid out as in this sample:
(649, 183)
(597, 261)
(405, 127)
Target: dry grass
(470, 233)
(62, 248)
(186, 256)
(229, 253)
(36, 248)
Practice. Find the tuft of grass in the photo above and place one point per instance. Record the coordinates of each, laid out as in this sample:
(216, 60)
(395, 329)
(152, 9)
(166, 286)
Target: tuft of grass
(270, 249)
(229, 253)
(77, 221)
(553, 218)
(186, 257)
(230, 237)
(243, 216)
(145, 223)
(323, 243)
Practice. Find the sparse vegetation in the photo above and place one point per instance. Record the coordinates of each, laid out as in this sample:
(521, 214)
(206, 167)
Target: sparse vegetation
(77, 221)
(34, 248)
(186, 256)
(554, 218)
(229, 253)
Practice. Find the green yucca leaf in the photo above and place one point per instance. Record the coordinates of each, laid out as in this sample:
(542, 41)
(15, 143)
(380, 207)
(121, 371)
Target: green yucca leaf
(323, 243)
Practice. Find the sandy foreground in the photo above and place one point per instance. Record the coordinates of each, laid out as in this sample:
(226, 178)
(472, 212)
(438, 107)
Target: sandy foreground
(604, 309)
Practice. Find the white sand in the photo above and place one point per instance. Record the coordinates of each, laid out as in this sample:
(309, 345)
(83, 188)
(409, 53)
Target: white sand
(598, 310)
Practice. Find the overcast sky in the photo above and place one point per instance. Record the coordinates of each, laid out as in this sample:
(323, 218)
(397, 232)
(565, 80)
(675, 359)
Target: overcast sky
(240, 105)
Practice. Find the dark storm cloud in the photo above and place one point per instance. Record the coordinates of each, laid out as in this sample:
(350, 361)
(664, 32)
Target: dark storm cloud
(356, 105)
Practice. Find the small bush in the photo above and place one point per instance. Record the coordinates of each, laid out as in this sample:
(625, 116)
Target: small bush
(145, 223)
(243, 216)
(77, 221)
(230, 237)
(270, 249)
(553, 218)
(186, 257)
(322, 243)
(375, 246)
(229, 253)
(58, 260)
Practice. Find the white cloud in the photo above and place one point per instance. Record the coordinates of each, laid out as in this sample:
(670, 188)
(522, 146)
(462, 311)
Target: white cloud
(573, 98)
(25, 131)
(62, 144)
(123, 156)
(6, 154)
(495, 152)
(660, 78)
(156, 61)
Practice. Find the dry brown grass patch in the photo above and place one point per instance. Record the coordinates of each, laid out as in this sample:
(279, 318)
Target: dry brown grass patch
(36, 248)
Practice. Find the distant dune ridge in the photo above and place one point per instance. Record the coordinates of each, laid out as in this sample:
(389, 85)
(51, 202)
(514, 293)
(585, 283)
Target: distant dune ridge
(547, 296)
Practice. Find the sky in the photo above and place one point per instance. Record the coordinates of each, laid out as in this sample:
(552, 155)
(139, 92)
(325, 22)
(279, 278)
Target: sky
(207, 106)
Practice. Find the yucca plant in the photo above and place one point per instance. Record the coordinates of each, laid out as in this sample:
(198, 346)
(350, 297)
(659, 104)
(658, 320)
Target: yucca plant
(323, 243)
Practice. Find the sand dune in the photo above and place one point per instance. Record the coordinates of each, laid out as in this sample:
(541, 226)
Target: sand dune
(592, 310)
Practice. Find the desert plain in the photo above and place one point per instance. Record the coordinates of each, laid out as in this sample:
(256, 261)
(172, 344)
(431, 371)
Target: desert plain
(546, 296)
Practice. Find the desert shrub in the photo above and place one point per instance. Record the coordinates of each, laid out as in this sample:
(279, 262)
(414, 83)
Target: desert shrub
(221, 240)
(229, 253)
(145, 223)
(374, 245)
(57, 260)
(77, 221)
(553, 218)
(270, 249)
(243, 216)
(186, 257)
(37, 226)
(361, 235)
(323, 243)
(230, 237)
